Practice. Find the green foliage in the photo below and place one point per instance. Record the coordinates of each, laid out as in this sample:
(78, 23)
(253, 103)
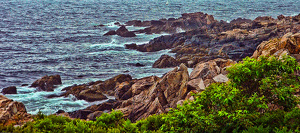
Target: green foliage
(152, 123)
(243, 103)
(270, 78)
(258, 98)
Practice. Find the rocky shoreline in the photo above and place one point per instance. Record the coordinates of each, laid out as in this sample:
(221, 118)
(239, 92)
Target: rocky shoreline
(207, 45)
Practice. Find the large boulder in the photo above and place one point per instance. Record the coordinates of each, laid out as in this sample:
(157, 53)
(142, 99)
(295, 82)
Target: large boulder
(9, 90)
(288, 44)
(47, 83)
(9, 109)
(165, 61)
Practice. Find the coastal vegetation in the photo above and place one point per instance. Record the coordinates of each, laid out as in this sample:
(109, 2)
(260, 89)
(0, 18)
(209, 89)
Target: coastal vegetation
(260, 96)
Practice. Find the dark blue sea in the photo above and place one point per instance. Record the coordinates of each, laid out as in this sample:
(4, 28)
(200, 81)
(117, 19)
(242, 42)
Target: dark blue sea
(47, 37)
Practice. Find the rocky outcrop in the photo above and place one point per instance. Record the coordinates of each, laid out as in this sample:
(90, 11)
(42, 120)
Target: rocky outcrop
(95, 91)
(139, 98)
(209, 72)
(47, 83)
(165, 61)
(286, 45)
(12, 111)
(122, 31)
(205, 36)
(9, 90)
(187, 21)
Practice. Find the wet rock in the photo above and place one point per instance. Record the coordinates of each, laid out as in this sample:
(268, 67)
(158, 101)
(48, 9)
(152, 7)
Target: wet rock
(123, 32)
(117, 23)
(47, 83)
(24, 84)
(165, 61)
(131, 46)
(139, 65)
(109, 33)
(52, 96)
(9, 90)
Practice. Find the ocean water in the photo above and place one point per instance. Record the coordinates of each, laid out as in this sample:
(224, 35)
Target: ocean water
(47, 37)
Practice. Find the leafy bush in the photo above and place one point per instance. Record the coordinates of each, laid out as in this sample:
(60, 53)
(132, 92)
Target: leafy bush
(258, 90)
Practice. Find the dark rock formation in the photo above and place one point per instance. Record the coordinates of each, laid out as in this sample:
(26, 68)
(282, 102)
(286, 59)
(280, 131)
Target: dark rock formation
(9, 90)
(123, 32)
(47, 83)
(109, 33)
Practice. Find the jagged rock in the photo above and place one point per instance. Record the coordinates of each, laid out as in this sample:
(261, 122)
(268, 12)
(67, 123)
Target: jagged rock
(47, 83)
(9, 109)
(206, 70)
(196, 84)
(143, 84)
(108, 86)
(9, 90)
(121, 89)
(123, 32)
(288, 44)
(165, 61)
(174, 85)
